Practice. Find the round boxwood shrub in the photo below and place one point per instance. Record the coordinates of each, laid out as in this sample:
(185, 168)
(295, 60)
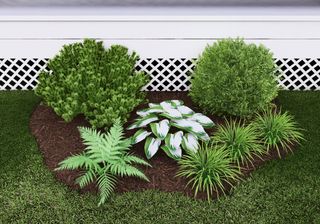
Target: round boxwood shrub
(235, 78)
(86, 78)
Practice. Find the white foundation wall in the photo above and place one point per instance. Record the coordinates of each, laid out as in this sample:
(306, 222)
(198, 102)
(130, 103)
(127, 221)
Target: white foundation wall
(166, 39)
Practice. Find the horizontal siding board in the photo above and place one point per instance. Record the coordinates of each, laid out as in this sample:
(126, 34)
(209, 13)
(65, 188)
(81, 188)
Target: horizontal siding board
(156, 48)
(159, 29)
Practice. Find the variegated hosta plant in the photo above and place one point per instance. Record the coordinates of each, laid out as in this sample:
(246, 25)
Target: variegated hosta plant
(163, 117)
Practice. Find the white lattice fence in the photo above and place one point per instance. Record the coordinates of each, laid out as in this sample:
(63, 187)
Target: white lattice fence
(299, 74)
(167, 74)
(20, 73)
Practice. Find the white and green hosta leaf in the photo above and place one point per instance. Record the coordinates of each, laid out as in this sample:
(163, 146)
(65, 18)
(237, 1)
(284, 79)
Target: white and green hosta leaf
(184, 110)
(139, 136)
(151, 147)
(153, 105)
(175, 153)
(202, 119)
(169, 111)
(204, 137)
(160, 129)
(174, 140)
(175, 103)
(143, 122)
(149, 111)
(172, 114)
(190, 142)
(172, 145)
(166, 105)
(190, 126)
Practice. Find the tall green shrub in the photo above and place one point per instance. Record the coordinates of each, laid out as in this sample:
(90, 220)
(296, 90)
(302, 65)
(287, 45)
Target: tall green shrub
(232, 77)
(85, 78)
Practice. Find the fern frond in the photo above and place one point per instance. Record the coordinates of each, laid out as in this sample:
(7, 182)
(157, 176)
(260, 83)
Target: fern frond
(91, 137)
(117, 130)
(115, 134)
(106, 154)
(76, 162)
(106, 184)
(113, 144)
(86, 178)
(123, 169)
(134, 159)
(102, 151)
(102, 146)
(125, 144)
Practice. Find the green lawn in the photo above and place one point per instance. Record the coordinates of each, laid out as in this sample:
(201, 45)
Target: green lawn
(283, 191)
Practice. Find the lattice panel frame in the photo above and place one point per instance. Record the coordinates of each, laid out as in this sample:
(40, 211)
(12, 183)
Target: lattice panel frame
(166, 74)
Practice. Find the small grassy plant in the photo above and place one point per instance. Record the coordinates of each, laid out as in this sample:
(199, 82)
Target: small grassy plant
(208, 169)
(277, 130)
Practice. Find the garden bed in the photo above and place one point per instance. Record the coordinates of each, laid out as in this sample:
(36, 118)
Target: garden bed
(58, 140)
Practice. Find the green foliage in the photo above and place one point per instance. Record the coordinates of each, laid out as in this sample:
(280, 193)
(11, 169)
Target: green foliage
(239, 140)
(170, 113)
(85, 78)
(235, 78)
(277, 130)
(208, 169)
(279, 192)
(105, 157)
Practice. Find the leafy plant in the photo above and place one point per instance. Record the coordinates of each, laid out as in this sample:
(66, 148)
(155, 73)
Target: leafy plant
(105, 157)
(85, 78)
(242, 142)
(169, 114)
(208, 169)
(235, 78)
(277, 130)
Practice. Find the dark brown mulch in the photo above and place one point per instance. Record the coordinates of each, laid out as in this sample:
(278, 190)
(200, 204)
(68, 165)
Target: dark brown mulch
(58, 140)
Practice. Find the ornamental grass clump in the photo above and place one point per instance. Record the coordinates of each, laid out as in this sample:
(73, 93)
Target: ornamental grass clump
(209, 170)
(165, 117)
(104, 159)
(235, 78)
(240, 141)
(277, 130)
(86, 78)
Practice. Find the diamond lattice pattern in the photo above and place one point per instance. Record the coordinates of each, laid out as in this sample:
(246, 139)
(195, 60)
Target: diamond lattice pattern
(166, 74)
(20, 73)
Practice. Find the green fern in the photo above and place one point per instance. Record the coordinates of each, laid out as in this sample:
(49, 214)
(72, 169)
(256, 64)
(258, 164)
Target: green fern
(86, 178)
(105, 157)
(106, 184)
